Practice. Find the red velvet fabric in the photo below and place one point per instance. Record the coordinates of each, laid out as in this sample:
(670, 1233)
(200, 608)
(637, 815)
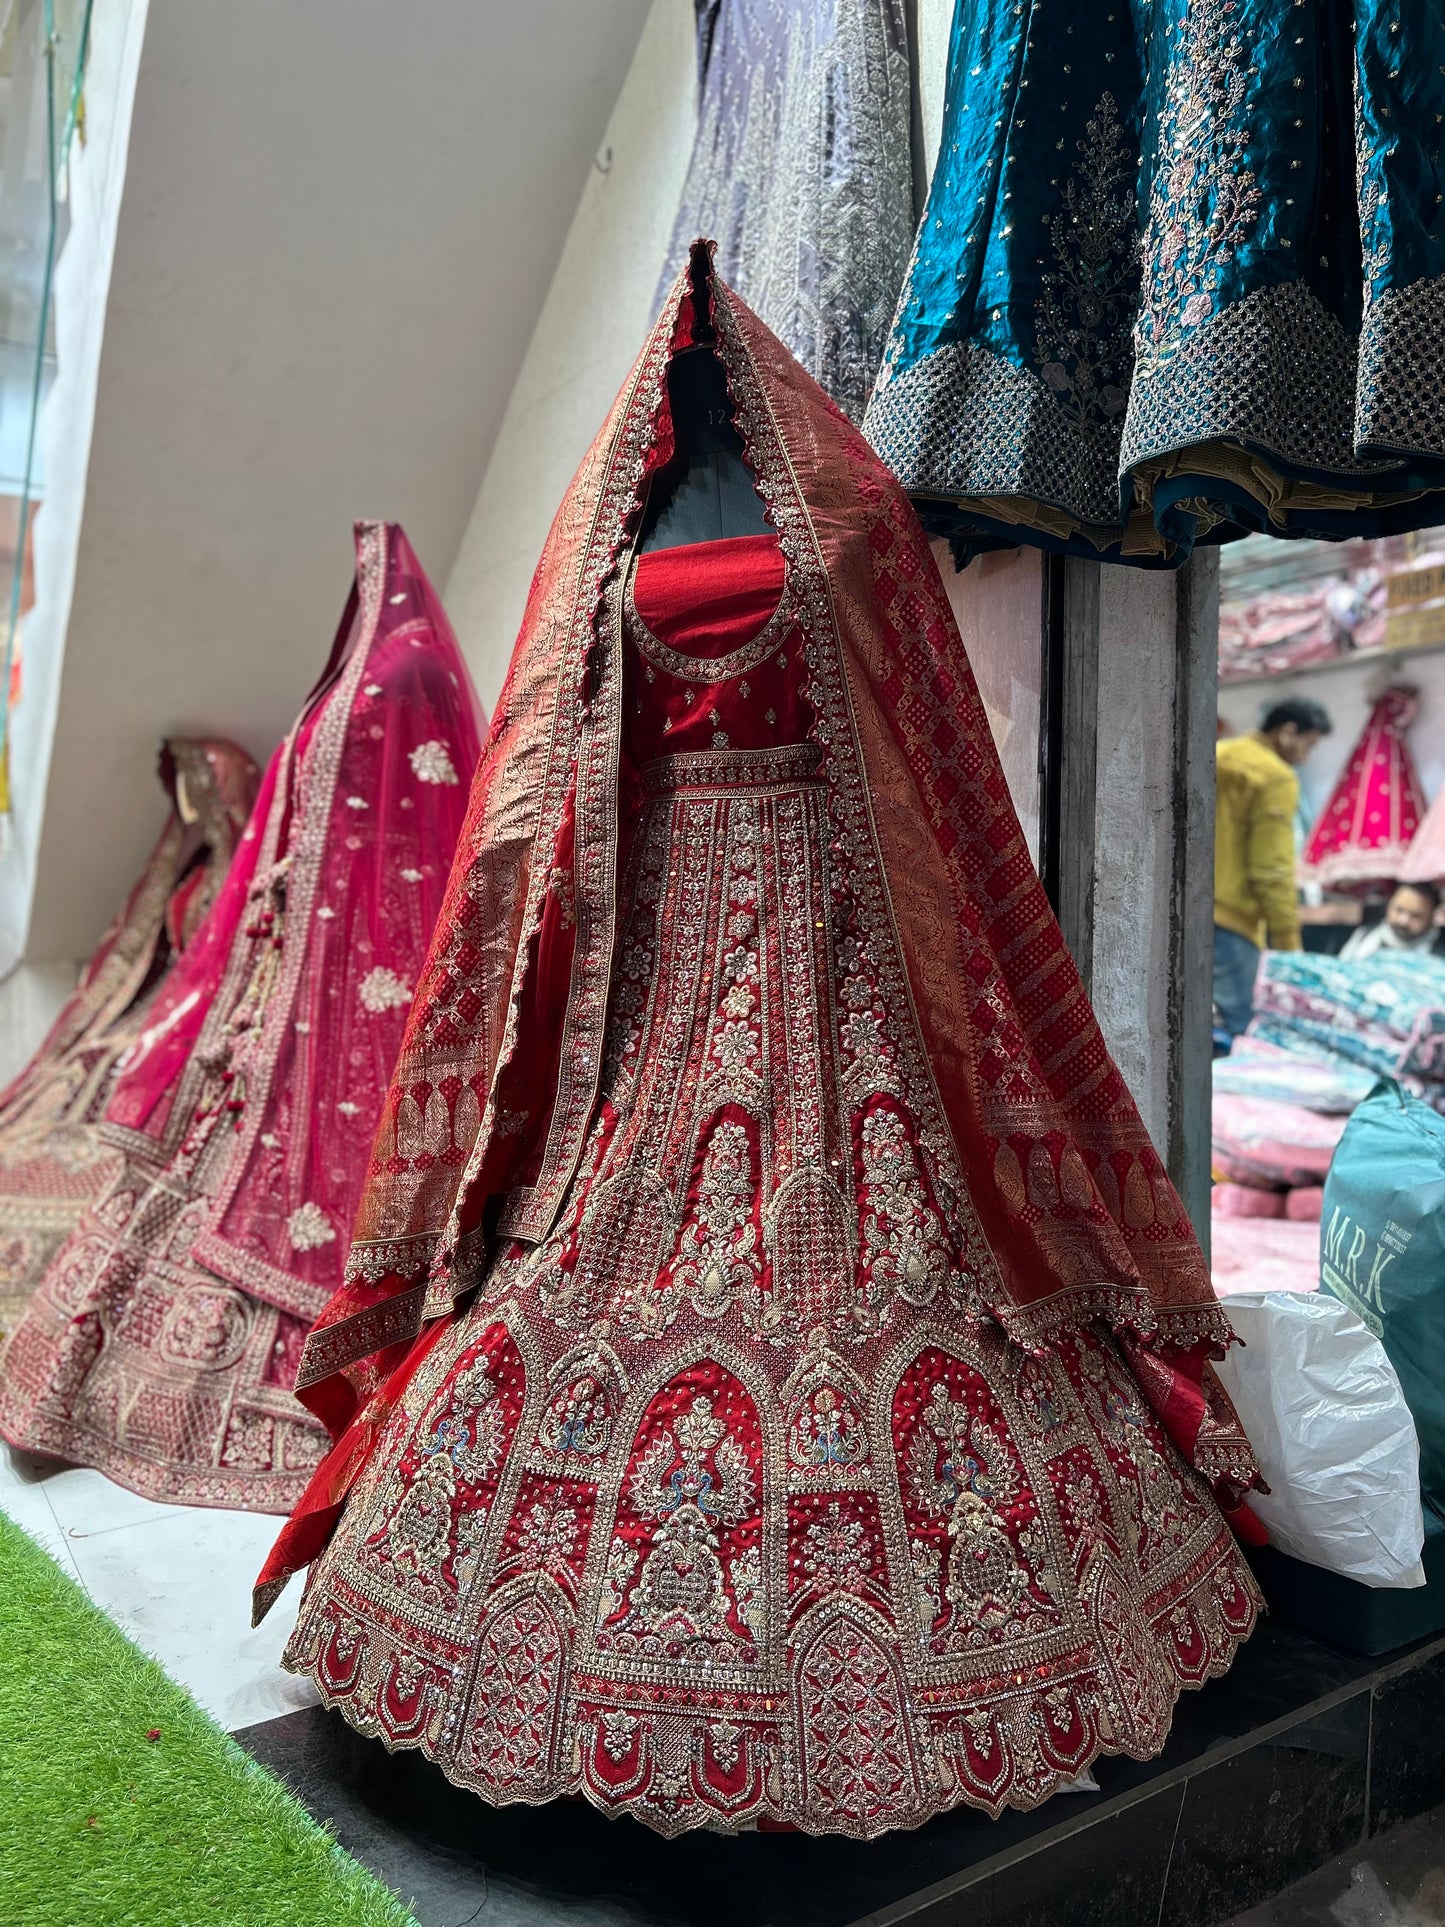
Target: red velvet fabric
(710, 597)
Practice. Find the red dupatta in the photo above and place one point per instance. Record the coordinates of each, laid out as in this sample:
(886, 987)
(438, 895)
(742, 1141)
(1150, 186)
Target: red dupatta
(141, 1107)
(1061, 1208)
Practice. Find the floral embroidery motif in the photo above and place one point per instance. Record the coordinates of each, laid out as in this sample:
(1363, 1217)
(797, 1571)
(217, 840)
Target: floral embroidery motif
(837, 1554)
(904, 1243)
(309, 1228)
(718, 1258)
(432, 763)
(1205, 200)
(464, 1444)
(826, 1433)
(547, 1538)
(1083, 316)
(961, 1471)
(684, 1604)
(381, 989)
(1158, 1485)
(578, 1421)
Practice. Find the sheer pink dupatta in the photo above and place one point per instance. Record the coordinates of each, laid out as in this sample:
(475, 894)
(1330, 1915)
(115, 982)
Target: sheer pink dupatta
(141, 1105)
(369, 801)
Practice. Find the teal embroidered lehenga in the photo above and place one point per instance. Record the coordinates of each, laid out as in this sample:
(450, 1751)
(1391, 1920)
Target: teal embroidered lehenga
(1181, 276)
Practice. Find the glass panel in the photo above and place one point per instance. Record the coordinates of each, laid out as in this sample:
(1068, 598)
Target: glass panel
(42, 62)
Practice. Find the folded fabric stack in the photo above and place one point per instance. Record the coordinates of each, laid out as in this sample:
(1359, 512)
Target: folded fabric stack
(1261, 1069)
(1385, 1014)
(1273, 1255)
(1279, 631)
(1261, 1143)
(1324, 1031)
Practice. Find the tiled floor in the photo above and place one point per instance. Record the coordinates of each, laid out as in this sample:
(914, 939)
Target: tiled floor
(176, 1579)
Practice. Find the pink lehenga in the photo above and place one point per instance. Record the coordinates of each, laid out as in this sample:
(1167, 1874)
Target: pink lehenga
(52, 1161)
(162, 1344)
(1424, 861)
(1362, 835)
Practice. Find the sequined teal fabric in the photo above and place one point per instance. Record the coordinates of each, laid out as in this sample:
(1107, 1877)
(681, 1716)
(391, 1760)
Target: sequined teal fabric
(1181, 275)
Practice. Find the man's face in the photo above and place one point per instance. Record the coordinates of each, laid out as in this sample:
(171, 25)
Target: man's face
(1294, 744)
(1409, 914)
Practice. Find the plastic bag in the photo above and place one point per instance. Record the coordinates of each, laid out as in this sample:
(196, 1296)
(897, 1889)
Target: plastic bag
(1323, 1408)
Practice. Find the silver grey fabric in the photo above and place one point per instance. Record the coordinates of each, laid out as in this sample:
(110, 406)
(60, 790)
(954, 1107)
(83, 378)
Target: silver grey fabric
(802, 173)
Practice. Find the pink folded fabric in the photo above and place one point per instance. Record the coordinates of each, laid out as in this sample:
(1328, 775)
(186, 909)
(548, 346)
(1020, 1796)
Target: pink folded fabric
(1251, 1255)
(1305, 1204)
(1262, 1141)
(1247, 1201)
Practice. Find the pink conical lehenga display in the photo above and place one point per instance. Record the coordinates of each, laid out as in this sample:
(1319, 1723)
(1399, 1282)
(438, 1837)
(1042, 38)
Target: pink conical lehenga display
(162, 1341)
(1425, 859)
(1362, 834)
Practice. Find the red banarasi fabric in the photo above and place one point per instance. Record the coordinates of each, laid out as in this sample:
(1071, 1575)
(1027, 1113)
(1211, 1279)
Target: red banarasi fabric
(52, 1159)
(772, 1383)
(162, 1344)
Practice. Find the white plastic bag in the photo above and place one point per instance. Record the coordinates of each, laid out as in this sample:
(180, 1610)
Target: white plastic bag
(1323, 1409)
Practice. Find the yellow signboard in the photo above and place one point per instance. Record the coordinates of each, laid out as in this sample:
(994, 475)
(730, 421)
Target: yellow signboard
(1414, 628)
(1413, 586)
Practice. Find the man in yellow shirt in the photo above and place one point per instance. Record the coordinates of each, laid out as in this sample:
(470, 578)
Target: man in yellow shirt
(1255, 898)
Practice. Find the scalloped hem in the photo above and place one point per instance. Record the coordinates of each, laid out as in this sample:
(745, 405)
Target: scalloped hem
(1223, 1606)
(781, 1817)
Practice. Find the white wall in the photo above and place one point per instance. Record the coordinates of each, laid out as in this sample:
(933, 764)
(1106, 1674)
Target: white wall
(338, 225)
(1134, 828)
(593, 322)
(82, 279)
(997, 602)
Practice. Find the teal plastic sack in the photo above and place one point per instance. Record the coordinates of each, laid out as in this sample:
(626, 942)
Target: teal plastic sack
(1382, 1252)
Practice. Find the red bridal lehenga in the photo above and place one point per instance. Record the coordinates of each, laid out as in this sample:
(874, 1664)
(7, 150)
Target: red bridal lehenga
(52, 1160)
(162, 1343)
(748, 1388)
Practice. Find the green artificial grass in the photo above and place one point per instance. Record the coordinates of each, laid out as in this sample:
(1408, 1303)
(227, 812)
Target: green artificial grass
(122, 1803)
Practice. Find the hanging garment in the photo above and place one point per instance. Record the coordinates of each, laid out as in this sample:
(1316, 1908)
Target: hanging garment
(163, 1340)
(1181, 275)
(1363, 834)
(744, 1389)
(52, 1160)
(802, 168)
(1424, 861)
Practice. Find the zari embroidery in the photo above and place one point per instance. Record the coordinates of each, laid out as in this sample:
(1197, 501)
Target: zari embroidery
(1205, 200)
(682, 1601)
(432, 763)
(1083, 317)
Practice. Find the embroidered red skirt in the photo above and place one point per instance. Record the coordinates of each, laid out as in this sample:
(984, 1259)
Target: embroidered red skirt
(724, 1503)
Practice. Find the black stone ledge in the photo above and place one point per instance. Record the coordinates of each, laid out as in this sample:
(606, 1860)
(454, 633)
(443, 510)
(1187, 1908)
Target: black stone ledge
(1300, 1752)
